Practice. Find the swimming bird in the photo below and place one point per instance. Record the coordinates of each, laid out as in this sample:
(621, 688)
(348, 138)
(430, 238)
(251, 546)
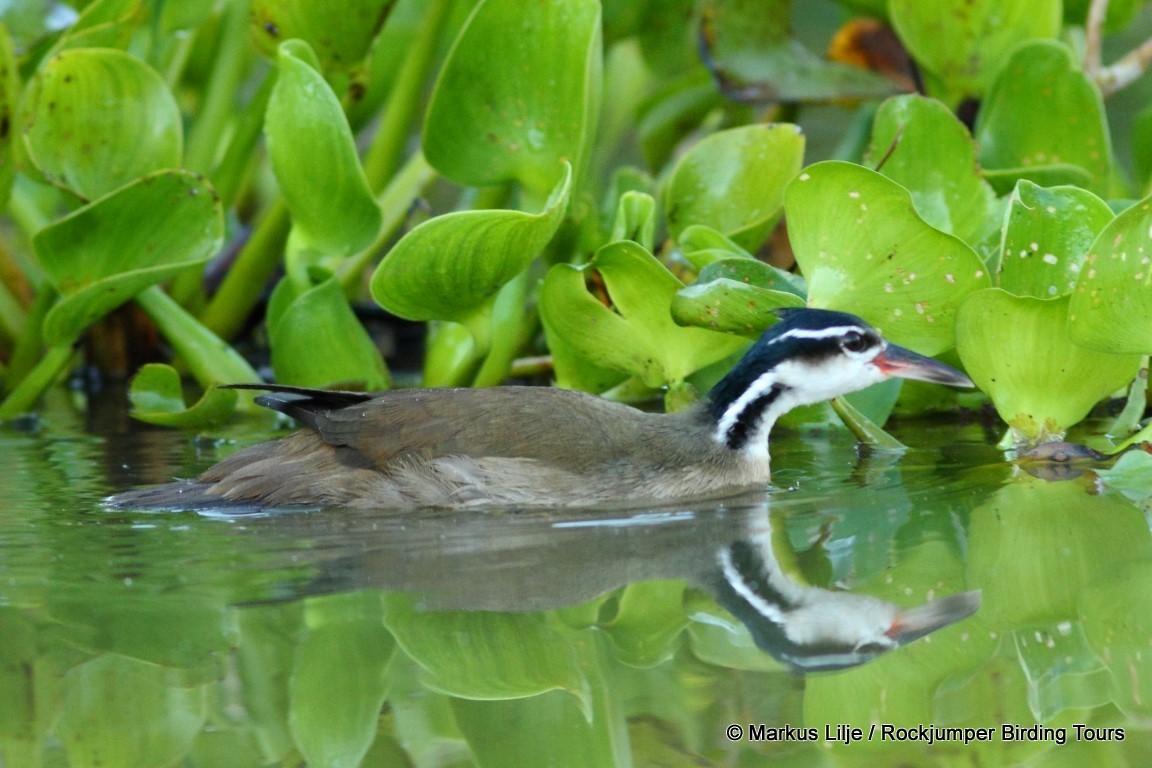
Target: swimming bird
(545, 446)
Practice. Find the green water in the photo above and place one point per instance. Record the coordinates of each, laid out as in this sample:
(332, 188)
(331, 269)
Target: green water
(559, 638)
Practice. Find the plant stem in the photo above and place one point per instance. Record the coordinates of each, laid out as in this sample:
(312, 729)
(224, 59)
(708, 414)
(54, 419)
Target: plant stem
(404, 101)
(232, 168)
(209, 359)
(1094, 37)
(245, 281)
(219, 101)
(395, 202)
(31, 387)
(30, 345)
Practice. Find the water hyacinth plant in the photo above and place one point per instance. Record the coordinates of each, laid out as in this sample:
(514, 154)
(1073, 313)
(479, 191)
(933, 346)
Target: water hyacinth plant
(610, 190)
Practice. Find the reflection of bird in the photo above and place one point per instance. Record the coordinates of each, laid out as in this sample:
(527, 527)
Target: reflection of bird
(546, 446)
(812, 629)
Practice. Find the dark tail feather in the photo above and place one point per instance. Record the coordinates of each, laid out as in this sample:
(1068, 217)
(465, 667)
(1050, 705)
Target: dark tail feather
(301, 402)
(181, 496)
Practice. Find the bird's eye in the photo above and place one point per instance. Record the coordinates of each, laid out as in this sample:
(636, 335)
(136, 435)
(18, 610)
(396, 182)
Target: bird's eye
(854, 341)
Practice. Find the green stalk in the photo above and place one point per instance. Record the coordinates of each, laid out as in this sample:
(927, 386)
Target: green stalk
(31, 387)
(865, 430)
(30, 345)
(404, 101)
(233, 167)
(219, 102)
(395, 202)
(12, 315)
(242, 286)
(209, 359)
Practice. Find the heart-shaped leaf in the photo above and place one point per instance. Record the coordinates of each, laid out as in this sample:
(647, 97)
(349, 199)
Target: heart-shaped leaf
(111, 249)
(753, 53)
(317, 341)
(336, 690)
(736, 296)
(157, 397)
(511, 656)
(1018, 350)
(97, 118)
(961, 44)
(518, 95)
(314, 157)
(1046, 238)
(340, 35)
(450, 267)
(734, 181)
(918, 143)
(1043, 114)
(1111, 308)
(637, 335)
(864, 249)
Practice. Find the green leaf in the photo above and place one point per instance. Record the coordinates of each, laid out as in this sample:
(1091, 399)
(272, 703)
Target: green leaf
(1043, 114)
(1018, 350)
(864, 249)
(103, 24)
(111, 249)
(635, 219)
(314, 157)
(638, 335)
(736, 296)
(1131, 474)
(518, 95)
(918, 143)
(963, 43)
(336, 690)
(97, 118)
(450, 267)
(649, 618)
(510, 656)
(317, 340)
(734, 181)
(341, 34)
(1111, 308)
(1046, 238)
(119, 711)
(157, 397)
(751, 48)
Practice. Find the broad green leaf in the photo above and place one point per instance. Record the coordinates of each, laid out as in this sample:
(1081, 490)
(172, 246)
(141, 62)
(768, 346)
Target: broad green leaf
(736, 296)
(1131, 474)
(545, 730)
(317, 340)
(638, 335)
(518, 95)
(1018, 350)
(863, 249)
(1117, 615)
(111, 249)
(1042, 114)
(918, 143)
(703, 245)
(1046, 238)
(1036, 546)
(734, 181)
(340, 34)
(510, 655)
(1111, 308)
(450, 267)
(647, 623)
(672, 112)
(102, 24)
(337, 687)
(97, 118)
(119, 711)
(157, 397)
(751, 48)
(314, 157)
(964, 43)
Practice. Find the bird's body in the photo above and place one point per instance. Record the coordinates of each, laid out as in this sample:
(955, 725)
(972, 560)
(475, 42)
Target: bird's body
(541, 445)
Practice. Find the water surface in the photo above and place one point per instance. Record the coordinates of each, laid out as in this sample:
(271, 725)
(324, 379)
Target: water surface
(545, 637)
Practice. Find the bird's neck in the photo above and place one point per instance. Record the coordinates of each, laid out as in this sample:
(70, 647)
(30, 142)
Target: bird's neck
(743, 407)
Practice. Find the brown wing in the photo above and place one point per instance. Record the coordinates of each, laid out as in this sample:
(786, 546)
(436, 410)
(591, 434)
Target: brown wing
(555, 426)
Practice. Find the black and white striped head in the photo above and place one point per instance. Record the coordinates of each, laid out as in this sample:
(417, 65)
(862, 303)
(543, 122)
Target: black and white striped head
(809, 356)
